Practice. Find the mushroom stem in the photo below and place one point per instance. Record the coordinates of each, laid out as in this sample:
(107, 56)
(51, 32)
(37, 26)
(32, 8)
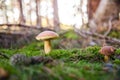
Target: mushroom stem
(106, 58)
(47, 46)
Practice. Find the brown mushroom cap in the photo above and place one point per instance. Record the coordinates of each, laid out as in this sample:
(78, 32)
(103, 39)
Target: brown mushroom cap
(47, 35)
(107, 50)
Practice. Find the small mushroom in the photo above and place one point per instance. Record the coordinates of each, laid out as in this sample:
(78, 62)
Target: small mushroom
(47, 36)
(107, 51)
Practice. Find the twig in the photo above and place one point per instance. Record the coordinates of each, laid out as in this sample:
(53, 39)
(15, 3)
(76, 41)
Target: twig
(109, 27)
(79, 32)
(93, 34)
(21, 25)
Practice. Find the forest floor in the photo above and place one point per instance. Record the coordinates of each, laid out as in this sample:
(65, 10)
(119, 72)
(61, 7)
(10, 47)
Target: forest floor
(63, 63)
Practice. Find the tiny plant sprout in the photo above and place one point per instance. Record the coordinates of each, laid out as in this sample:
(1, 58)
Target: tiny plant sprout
(47, 36)
(107, 51)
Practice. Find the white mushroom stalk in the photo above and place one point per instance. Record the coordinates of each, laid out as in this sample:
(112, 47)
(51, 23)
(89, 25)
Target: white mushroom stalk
(47, 36)
(47, 46)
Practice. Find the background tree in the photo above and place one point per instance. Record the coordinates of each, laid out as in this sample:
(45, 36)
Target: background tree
(56, 17)
(107, 10)
(37, 13)
(22, 19)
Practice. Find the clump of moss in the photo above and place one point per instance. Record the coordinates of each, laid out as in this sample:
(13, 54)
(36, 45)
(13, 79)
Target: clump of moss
(117, 51)
(114, 33)
(93, 50)
(70, 64)
(71, 35)
(117, 61)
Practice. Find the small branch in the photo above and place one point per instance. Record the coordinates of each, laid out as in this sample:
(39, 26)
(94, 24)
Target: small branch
(79, 32)
(109, 39)
(109, 27)
(21, 25)
(26, 26)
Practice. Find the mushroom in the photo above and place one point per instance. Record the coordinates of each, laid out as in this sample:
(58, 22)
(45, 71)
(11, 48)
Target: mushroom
(47, 36)
(107, 51)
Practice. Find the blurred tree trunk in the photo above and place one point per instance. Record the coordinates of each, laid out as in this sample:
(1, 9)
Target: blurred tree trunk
(37, 14)
(22, 19)
(106, 10)
(56, 16)
(30, 12)
(92, 6)
(5, 11)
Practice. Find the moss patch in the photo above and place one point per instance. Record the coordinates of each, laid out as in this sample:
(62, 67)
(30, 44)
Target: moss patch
(69, 64)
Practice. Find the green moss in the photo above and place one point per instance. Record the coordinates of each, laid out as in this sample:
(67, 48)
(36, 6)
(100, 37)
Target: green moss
(71, 35)
(117, 51)
(70, 64)
(115, 33)
(117, 61)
